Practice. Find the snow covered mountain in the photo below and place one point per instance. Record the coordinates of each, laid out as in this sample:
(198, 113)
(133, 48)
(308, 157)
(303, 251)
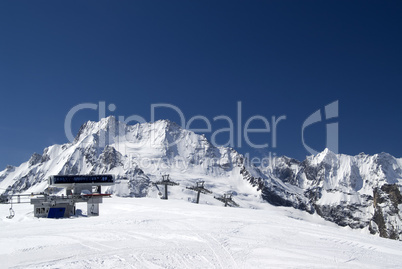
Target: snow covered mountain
(361, 191)
(358, 191)
(139, 155)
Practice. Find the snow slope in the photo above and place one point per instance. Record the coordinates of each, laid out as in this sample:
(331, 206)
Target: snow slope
(154, 233)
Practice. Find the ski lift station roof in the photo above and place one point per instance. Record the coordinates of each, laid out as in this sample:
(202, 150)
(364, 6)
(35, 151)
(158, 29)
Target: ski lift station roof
(67, 181)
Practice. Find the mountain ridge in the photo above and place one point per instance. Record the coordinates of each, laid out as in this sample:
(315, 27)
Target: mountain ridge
(361, 191)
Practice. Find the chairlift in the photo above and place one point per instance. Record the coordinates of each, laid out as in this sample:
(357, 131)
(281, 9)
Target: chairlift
(159, 191)
(12, 212)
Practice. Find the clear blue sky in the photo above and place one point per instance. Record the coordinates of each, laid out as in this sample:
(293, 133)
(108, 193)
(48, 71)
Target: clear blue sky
(276, 57)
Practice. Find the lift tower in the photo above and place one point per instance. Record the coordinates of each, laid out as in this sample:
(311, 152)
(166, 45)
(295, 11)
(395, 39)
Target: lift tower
(226, 198)
(199, 188)
(166, 182)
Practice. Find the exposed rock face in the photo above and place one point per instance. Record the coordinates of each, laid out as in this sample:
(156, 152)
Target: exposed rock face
(110, 158)
(386, 219)
(35, 159)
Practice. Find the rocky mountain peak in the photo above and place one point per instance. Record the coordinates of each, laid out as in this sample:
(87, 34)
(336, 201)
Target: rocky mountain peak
(35, 159)
(360, 191)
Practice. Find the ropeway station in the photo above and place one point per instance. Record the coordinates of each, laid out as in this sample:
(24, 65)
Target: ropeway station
(79, 189)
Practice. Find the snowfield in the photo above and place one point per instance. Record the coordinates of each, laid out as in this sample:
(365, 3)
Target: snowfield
(154, 233)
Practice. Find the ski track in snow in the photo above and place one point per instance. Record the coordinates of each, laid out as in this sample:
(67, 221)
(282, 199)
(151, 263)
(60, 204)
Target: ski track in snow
(153, 233)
